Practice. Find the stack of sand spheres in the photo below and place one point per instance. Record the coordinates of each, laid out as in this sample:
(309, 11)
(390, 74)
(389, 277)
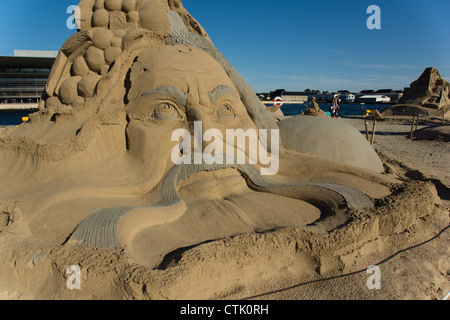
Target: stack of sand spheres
(92, 60)
(106, 28)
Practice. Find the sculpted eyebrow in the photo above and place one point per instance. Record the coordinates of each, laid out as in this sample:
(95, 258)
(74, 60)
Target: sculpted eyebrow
(220, 91)
(179, 96)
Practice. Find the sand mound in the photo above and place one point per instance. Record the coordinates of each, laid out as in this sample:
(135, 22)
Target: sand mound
(440, 133)
(339, 141)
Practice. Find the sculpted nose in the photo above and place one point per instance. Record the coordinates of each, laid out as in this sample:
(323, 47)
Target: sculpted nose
(200, 113)
(200, 117)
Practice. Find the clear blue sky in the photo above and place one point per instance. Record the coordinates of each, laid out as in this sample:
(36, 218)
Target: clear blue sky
(290, 44)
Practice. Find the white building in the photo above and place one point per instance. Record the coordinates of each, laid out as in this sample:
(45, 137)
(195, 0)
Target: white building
(374, 99)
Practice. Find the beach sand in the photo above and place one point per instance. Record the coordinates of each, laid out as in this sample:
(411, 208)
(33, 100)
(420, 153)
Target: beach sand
(393, 140)
(419, 271)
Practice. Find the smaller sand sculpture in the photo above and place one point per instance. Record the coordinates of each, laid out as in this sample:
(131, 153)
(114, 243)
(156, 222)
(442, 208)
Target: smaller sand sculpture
(427, 96)
(315, 110)
(430, 90)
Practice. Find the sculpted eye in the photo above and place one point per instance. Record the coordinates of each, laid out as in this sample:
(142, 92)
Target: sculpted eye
(165, 111)
(225, 111)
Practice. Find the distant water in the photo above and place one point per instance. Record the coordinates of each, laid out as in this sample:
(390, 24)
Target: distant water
(13, 118)
(345, 110)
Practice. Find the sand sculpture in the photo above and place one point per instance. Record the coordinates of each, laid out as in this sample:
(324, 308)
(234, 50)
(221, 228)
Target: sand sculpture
(428, 96)
(90, 181)
(429, 90)
(315, 109)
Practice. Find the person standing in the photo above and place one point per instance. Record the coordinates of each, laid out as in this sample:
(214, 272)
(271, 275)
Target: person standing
(334, 108)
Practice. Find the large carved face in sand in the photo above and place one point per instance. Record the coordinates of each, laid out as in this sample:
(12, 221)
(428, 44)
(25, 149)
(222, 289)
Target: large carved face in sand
(165, 75)
(171, 88)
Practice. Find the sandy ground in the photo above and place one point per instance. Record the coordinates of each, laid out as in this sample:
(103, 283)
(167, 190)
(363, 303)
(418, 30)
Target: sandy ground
(422, 269)
(392, 139)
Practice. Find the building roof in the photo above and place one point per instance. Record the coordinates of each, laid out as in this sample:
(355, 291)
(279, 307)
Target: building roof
(35, 53)
(26, 62)
(385, 91)
(294, 93)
